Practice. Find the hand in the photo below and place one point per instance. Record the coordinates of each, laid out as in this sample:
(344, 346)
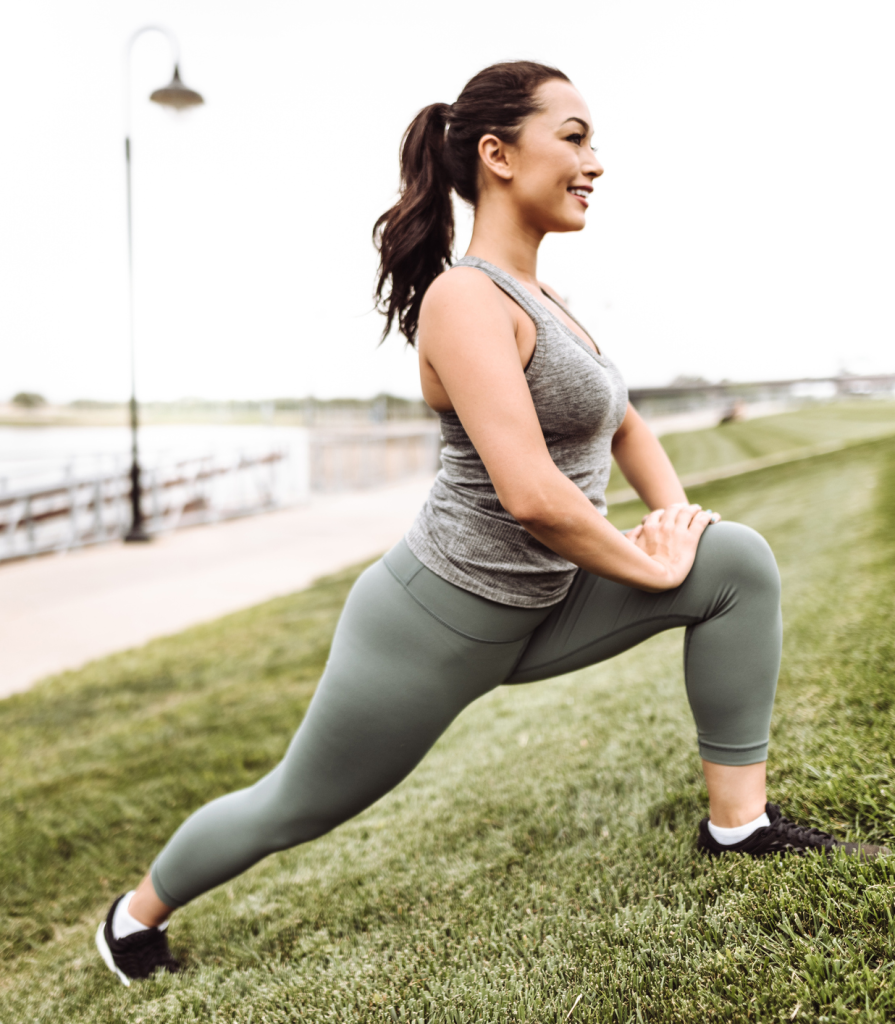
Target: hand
(670, 537)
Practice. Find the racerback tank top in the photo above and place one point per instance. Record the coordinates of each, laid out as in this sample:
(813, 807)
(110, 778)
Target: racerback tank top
(463, 533)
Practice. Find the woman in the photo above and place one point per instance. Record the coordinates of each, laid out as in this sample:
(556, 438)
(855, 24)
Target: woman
(511, 573)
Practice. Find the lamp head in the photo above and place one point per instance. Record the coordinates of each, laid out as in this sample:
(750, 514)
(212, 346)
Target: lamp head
(175, 94)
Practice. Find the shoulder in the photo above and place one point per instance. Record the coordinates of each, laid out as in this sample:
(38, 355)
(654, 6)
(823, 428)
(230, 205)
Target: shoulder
(462, 285)
(460, 294)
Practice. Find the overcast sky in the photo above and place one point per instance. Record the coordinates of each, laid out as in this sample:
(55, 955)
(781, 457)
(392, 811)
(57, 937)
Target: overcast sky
(743, 228)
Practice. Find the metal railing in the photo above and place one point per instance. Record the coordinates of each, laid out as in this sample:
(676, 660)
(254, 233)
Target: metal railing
(94, 509)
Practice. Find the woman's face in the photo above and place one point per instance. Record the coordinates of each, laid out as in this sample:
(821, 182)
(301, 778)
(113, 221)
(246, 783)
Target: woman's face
(552, 164)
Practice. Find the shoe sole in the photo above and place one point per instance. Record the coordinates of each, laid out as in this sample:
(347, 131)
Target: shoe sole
(106, 954)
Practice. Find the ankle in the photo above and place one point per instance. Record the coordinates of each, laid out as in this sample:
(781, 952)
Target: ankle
(735, 815)
(147, 908)
(731, 836)
(737, 794)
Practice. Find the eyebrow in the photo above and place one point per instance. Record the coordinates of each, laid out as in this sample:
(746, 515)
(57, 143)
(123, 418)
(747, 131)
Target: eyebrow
(580, 121)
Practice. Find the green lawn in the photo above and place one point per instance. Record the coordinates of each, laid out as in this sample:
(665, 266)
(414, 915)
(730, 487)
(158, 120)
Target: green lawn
(542, 852)
(814, 424)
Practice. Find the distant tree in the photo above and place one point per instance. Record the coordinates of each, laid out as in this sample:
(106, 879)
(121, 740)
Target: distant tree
(28, 400)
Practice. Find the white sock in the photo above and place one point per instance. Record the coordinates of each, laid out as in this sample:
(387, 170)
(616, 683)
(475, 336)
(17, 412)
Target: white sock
(729, 836)
(122, 922)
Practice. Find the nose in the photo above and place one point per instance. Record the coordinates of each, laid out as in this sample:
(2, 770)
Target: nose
(593, 168)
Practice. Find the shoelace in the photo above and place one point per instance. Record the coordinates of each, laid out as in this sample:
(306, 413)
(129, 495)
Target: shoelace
(789, 833)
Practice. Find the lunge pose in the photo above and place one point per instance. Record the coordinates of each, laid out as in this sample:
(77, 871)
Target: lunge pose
(511, 573)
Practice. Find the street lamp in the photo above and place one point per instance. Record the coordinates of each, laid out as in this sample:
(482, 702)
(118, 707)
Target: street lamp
(177, 96)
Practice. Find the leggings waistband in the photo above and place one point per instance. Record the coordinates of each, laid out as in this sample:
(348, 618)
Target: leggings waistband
(464, 612)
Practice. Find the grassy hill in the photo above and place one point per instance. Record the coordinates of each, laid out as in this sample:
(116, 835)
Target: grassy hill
(842, 422)
(542, 852)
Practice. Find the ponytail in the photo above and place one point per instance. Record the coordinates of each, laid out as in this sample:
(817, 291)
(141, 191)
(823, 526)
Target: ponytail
(416, 235)
(439, 152)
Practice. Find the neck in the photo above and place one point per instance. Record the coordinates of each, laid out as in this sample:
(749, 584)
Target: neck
(501, 237)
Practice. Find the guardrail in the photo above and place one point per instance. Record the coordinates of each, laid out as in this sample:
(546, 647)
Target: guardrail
(94, 509)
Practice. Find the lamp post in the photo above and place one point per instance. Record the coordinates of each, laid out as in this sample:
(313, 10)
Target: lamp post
(177, 96)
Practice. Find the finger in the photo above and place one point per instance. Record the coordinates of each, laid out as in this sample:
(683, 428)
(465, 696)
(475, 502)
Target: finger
(654, 517)
(632, 535)
(685, 513)
(700, 521)
(694, 510)
(714, 517)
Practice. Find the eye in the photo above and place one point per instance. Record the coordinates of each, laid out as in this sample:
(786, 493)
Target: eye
(577, 138)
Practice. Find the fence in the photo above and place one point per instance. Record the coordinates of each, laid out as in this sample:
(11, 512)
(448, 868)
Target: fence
(94, 508)
(90, 510)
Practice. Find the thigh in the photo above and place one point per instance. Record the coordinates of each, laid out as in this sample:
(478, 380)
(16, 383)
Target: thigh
(599, 619)
(396, 677)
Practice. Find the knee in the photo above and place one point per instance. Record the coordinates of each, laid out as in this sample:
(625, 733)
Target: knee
(279, 818)
(740, 555)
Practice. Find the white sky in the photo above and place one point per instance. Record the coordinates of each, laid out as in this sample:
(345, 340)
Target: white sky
(744, 226)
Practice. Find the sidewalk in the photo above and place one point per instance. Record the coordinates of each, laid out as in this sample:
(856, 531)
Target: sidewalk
(60, 611)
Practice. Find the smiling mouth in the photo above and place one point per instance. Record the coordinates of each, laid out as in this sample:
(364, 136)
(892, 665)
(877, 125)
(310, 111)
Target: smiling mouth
(580, 194)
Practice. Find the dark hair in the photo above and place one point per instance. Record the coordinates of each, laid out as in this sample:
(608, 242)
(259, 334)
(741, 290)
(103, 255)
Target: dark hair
(439, 152)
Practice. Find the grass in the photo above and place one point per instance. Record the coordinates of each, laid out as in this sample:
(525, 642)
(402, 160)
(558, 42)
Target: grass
(814, 424)
(543, 850)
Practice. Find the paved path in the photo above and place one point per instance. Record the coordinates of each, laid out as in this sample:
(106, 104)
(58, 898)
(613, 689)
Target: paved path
(61, 611)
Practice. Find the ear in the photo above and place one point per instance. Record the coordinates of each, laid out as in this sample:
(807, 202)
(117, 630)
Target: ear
(494, 156)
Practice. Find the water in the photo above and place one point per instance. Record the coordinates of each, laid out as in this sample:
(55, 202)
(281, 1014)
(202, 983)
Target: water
(61, 487)
(39, 456)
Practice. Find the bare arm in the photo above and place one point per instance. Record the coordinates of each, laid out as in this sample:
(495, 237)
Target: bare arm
(644, 463)
(468, 338)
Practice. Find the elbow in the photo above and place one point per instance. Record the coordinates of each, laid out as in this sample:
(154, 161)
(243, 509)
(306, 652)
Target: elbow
(529, 516)
(537, 501)
(533, 512)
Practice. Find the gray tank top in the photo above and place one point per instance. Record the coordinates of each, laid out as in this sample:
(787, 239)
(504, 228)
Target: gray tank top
(462, 532)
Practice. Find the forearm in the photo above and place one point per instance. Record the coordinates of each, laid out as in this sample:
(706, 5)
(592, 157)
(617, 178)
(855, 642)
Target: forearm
(563, 519)
(645, 464)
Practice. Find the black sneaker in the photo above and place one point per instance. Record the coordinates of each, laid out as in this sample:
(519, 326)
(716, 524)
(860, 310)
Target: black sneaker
(136, 955)
(785, 836)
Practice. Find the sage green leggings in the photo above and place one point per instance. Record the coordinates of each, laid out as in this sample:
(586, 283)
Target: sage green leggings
(411, 651)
